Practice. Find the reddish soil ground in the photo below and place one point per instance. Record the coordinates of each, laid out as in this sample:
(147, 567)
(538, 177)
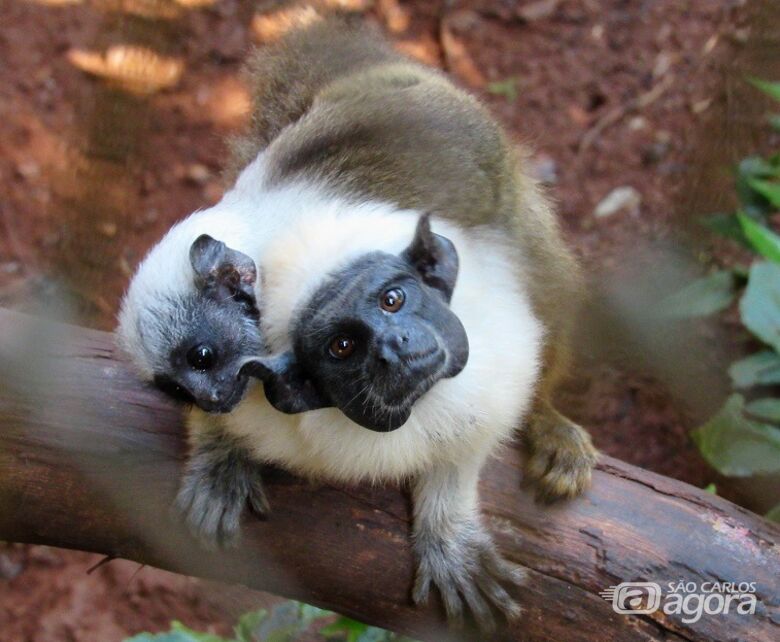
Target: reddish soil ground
(609, 94)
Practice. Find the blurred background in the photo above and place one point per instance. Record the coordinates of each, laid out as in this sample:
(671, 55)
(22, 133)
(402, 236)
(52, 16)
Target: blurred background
(114, 116)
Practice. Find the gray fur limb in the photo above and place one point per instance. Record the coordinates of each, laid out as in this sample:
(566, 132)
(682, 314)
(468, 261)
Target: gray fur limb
(219, 481)
(455, 551)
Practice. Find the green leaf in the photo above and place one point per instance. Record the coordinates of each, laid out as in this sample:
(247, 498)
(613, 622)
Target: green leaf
(196, 636)
(761, 368)
(771, 89)
(506, 88)
(758, 167)
(375, 634)
(770, 191)
(725, 225)
(703, 296)
(767, 409)
(310, 613)
(178, 633)
(160, 637)
(286, 633)
(763, 240)
(711, 488)
(760, 305)
(347, 627)
(774, 514)
(248, 624)
(283, 623)
(736, 446)
(751, 168)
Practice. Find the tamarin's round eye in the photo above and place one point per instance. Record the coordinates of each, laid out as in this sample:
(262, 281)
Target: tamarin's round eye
(342, 347)
(201, 357)
(392, 300)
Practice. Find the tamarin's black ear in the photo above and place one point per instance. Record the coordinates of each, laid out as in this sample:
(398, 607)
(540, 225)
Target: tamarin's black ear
(222, 272)
(286, 387)
(434, 257)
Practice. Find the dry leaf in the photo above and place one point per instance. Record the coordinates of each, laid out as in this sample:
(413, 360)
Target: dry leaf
(135, 69)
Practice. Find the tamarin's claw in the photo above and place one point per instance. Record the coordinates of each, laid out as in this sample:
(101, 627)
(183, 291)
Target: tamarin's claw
(468, 571)
(217, 485)
(559, 456)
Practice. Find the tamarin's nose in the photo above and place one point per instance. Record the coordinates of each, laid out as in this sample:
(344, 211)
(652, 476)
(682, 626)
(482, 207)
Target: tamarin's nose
(392, 348)
(388, 354)
(399, 340)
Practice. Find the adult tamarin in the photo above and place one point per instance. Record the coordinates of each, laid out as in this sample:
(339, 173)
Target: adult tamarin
(351, 145)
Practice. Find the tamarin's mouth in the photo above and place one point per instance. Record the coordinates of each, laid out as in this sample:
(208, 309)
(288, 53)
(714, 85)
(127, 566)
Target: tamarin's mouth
(224, 406)
(400, 391)
(421, 356)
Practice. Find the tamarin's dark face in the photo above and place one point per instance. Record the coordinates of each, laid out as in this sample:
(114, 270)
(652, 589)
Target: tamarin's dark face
(374, 337)
(211, 332)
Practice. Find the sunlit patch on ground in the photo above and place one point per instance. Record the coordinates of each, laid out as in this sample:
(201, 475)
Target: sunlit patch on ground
(56, 3)
(269, 27)
(226, 101)
(135, 69)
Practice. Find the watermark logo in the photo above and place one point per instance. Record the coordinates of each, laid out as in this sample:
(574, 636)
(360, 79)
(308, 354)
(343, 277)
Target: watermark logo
(634, 598)
(691, 600)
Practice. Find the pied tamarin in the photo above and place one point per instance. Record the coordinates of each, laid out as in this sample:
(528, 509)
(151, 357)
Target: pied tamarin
(387, 266)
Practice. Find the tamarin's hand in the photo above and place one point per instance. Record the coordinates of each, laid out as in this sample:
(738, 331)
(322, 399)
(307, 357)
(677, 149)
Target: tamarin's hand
(559, 456)
(456, 553)
(220, 480)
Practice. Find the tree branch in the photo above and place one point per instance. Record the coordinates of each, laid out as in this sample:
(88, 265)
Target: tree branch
(90, 459)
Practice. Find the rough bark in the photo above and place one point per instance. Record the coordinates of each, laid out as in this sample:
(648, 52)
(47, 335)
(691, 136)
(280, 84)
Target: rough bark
(90, 457)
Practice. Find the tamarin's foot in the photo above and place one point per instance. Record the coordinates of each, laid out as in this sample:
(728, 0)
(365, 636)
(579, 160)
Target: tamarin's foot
(559, 456)
(466, 567)
(218, 483)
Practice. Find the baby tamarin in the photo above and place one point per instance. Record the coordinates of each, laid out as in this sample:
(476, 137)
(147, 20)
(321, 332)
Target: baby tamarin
(350, 145)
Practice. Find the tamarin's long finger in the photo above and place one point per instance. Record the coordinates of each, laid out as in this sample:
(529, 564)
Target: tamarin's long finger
(498, 596)
(478, 607)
